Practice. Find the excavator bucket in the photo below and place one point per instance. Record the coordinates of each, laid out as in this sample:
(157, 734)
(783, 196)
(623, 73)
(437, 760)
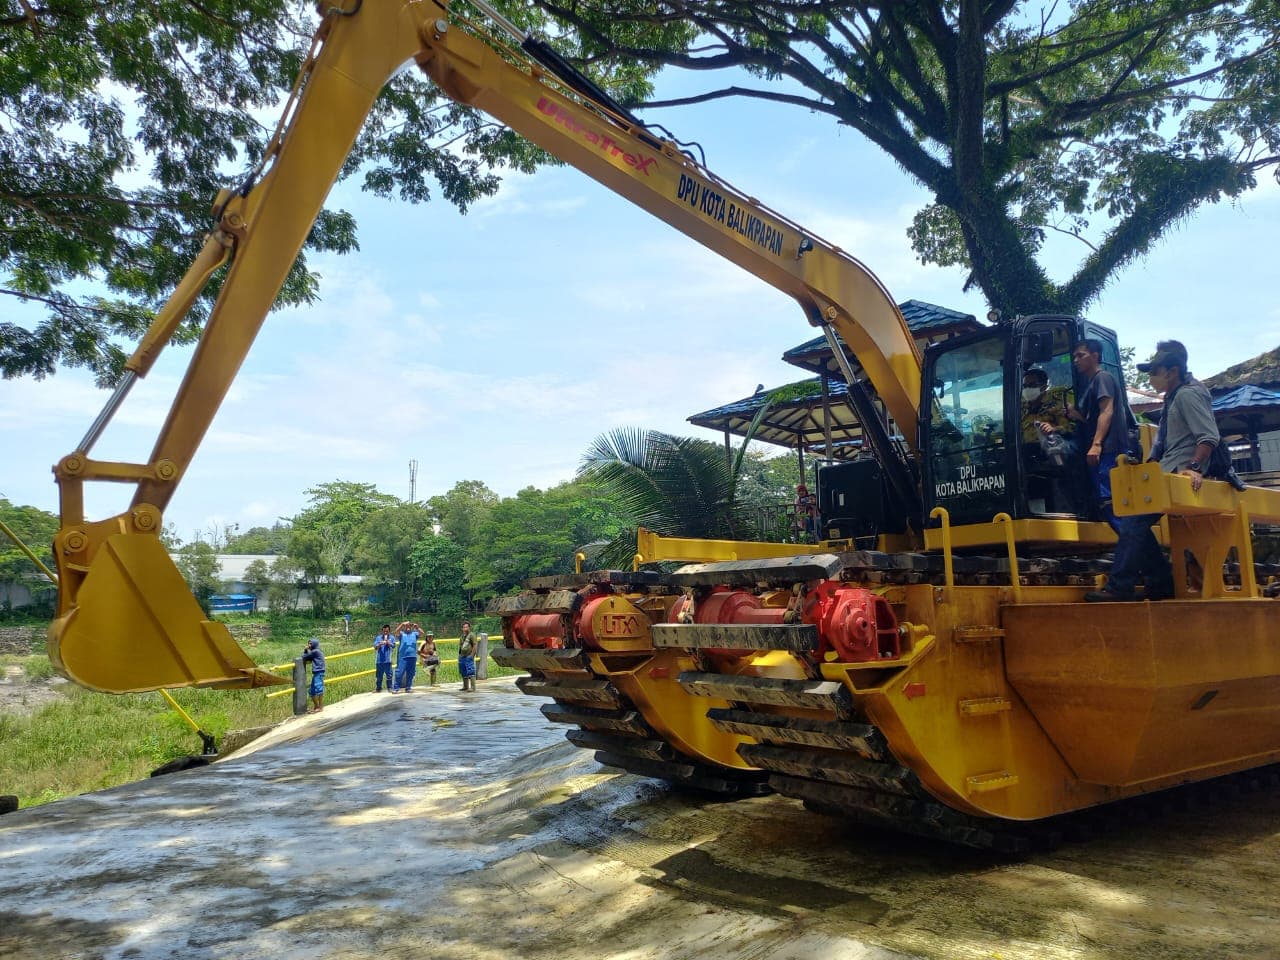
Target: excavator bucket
(135, 626)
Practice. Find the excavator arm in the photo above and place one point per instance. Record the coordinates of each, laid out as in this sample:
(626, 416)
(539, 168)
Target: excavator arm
(125, 619)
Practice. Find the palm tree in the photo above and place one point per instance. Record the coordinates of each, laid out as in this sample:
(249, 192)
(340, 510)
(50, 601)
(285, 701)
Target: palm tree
(674, 486)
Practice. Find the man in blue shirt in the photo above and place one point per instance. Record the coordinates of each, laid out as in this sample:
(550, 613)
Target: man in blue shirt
(383, 646)
(407, 650)
(312, 654)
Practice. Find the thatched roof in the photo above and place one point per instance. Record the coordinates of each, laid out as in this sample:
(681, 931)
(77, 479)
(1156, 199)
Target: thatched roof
(1261, 371)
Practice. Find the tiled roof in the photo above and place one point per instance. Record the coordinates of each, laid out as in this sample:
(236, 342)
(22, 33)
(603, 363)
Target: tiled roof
(926, 321)
(796, 420)
(1262, 371)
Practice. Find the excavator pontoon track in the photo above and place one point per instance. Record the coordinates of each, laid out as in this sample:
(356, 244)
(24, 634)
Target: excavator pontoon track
(605, 721)
(842, 768)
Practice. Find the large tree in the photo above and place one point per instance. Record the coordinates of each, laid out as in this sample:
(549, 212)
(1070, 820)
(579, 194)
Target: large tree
(538, 533)
(383, 547)
(1108, 120)
(119, 123)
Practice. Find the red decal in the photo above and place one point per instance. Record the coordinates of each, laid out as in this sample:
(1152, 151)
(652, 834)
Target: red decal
(603, 142)
(913, 690)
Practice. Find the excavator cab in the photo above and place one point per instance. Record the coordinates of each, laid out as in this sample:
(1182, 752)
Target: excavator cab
(985, 395)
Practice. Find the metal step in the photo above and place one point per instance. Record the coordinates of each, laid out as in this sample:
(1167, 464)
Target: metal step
(541, 660)
(554, 601)
(831, 767)
(628, 746)
(589, 690)
(861, 738)
(827, 695)
(689, 774)
(798, 638)
(617, 721)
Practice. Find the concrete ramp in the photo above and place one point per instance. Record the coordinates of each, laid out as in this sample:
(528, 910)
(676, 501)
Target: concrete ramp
(441, 825)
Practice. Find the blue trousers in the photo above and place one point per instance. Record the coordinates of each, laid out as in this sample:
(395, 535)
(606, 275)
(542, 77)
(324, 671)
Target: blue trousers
(383, 670)
(405, 674)
(1138, 554)
(1102, 489)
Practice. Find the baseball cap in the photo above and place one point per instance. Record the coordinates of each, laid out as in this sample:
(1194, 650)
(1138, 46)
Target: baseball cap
(1165, 359)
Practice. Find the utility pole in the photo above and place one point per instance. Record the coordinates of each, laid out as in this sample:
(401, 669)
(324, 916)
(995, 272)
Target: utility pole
(413, 481)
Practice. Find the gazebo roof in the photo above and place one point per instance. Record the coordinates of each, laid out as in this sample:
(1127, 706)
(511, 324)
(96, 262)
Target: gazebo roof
(1247, 409)
(926, 321)
(794, 420)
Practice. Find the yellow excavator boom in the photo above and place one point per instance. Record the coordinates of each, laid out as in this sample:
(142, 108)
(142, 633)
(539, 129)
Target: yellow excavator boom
(125, 621)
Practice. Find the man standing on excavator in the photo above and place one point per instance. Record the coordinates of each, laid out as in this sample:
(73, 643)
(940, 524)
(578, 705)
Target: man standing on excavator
(1105, 433)
(1187, 442)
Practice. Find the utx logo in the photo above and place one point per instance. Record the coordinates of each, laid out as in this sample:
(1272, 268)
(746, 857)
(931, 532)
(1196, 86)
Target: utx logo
(619, 625)
(603, 142)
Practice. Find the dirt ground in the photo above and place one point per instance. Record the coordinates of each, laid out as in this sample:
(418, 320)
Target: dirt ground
(448, 826)
(21, 697)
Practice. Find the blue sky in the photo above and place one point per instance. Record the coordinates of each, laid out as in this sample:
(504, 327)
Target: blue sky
(494, 346)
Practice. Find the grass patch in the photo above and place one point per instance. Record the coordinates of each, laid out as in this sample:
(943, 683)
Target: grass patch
(87, 741)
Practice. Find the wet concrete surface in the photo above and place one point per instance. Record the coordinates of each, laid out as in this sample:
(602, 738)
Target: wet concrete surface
(445, 825)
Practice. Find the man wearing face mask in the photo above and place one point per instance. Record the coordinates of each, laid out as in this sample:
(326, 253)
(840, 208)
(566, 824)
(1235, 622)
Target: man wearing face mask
(1042, 404)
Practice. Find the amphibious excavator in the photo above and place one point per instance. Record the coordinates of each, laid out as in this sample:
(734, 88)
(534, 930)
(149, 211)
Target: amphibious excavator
(930, 666)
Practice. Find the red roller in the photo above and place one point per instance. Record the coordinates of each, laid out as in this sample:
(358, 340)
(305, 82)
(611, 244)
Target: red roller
(723, 605)
(541, 631)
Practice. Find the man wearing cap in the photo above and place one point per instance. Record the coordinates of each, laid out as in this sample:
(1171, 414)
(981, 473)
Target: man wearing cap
(1187, 439)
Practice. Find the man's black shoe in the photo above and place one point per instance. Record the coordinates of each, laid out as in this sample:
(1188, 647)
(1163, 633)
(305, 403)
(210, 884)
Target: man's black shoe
(1161, 591)
(1108, 596)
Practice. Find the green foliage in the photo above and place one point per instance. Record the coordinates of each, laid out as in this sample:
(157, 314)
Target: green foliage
(282, 592)
(322, 540)
(384, 545)
(36, 528)
(436, 565)
(124, 121)
(463, 510)
(200, 568)
(257, 578)
(1108, 122)
(272, 540)
(537, 533)
(1133, 377)
(675, 486)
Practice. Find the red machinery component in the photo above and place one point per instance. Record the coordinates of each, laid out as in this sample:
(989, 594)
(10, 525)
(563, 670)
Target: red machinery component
(723, 605)
(542, 631)
(856, 624)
